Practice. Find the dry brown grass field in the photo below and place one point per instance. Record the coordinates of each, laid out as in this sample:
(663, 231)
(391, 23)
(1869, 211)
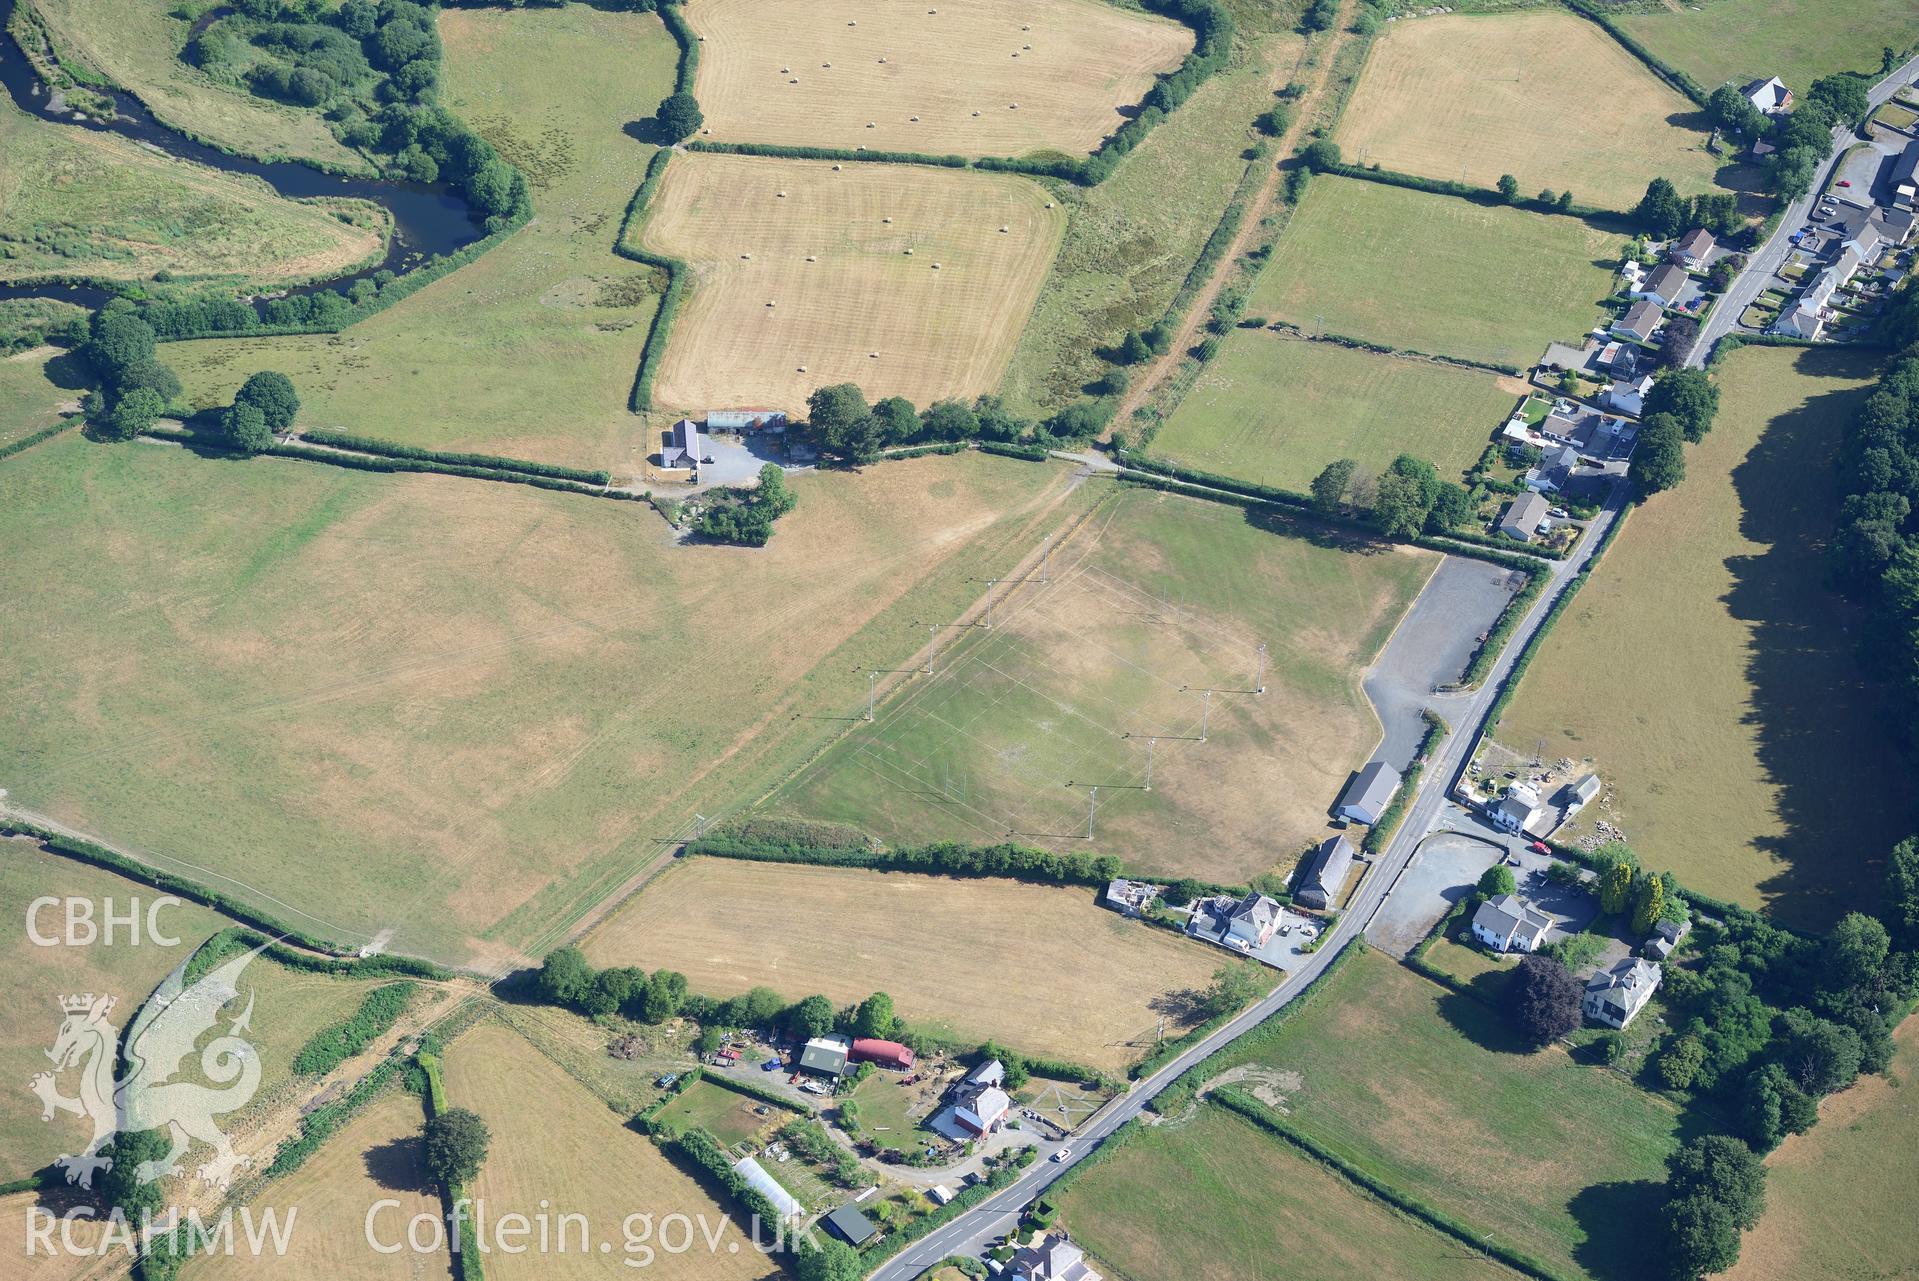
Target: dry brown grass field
(1039, 968)
(58, 1264)
(1842, 1200)
(33, 978)
(557, 1149)
(983, 78)
(376, 1156)
(461, 710)
(1545, 96)
(920, 283)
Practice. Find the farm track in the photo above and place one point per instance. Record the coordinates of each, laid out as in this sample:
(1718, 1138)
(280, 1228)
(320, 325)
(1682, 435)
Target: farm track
(1306, 107)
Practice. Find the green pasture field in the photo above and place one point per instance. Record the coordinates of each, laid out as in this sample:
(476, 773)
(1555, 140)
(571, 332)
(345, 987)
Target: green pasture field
(1128, 246)
(458, 709)
(1436, 273)
(74, 202)
(1156, 599)
(1250, 1207)
(1458, 957)
(30, 399)
(1843, 1199)
(531, 350)
(1275, 410)
(1418, 1086)
(137, 43)
(728, 1114)
(1796, 40)
(1736, 755)
(33, 978)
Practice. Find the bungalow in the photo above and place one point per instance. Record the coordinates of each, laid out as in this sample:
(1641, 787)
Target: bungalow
(887, 1054)
(1370, 792)
(1903, 181)
(1520, 810)
(1325, 874)
(983, 1110)
(1252, 920)
(1554, 471)
(1627, 398)
(1807, 319)
(1525, 516)
(1666, 286)
(1130, 898)
(1641, 321)
(1510, 924)
(1666, 936)
(1565, 421)
(1693, 250)
(684, 448)
(1769, 95)
(825, 1055)
(743, 420)
(1052, 1258)
(850, 1226)
(1614, 996)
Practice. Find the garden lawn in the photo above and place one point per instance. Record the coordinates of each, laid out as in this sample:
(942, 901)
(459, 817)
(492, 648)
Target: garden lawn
(727, 1114)
(1843, 1199)
(1427, 1090)
(1128, 246)
(530, 350)
(448, 707)
(1275, 410)
(1248, 1207)
(1709, 677)
(1545, 96)
(1436, 274)
(1796, 40)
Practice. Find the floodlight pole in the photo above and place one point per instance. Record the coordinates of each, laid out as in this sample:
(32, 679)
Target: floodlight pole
(872, 679)
(1205, 710)
(932, 643)
(1149, 763)
(1092, 806)
(1259, 672)
(991, 583)
(1046, 550)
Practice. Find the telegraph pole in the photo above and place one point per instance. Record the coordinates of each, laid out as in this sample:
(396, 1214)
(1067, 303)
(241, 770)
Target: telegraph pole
(1091, 807)
(1259, 672)
(1046, 550)
(1149, 763)
(1205, 710)
(932, 643)
(872, 679)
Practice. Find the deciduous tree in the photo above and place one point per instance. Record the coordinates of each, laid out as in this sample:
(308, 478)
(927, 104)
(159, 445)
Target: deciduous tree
(1543, 1000)
(456, 1144)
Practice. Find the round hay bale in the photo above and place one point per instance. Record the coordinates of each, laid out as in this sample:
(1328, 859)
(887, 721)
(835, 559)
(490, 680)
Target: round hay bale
(1049, 204)
(1003, 230)
(786, 71)
(1026, 46)
(836, 168)
(936, 266)
(886, 220)
(872, 355)
(811, 258)
(769, 302)
(781, 195)
(746, 257)
(1027, 27)
(976, 113)
(869, 124)
(909, 253)
(802, 368)
(1012, 106)
(913, 119)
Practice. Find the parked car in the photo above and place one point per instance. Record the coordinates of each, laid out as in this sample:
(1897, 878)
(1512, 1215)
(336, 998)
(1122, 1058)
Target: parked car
(668, 1081)
(1540, 847)
(771, 1065)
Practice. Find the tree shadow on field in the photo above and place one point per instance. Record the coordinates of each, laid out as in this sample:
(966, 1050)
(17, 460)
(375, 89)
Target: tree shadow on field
(649, 131)
(399, 1166)
(1188, 1005)
(1317, 532)
(1480, 1020)
(1617, 1219)
(1695, 121)
(69, 371)
(1815, 716)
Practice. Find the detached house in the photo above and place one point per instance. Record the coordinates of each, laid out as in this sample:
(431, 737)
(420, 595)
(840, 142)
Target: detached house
(1641, 321)
(1524, 517)
(1904, 179)
(684, 447)
(1520, 810)
(1628, 397)
(1052, 1258)
(1694, 249)
(1252, 920)
(1615, 996)
(1769, 95)
(1665, 286)
(1510, 924)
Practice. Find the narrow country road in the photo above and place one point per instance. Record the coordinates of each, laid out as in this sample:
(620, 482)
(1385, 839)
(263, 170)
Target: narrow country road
(1767, 259)
(975, 1229)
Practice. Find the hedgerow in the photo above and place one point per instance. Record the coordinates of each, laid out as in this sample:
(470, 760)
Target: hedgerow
(626, 244)
(494, 462)
(332, 1046)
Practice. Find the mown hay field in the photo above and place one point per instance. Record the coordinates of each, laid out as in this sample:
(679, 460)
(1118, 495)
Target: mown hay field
(984, 78)
(26, 1212)
(1736, 733)
(1156, 599)
(1275, 410)
(920, 281)
(1545, 96)
(1250, 1207)
(444, 706)
(1843, 1199)
(74, 202)
(557, 1150)
(1435, 273)
(1796, 40)
(137, 45)
(34, 978)
(531, 349)
(1038, 968)
(30, 399)
(377, 1156)
(1127, 246)
(1395, 1071)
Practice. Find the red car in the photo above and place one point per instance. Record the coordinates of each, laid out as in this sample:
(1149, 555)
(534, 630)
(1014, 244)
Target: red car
(1540, 847)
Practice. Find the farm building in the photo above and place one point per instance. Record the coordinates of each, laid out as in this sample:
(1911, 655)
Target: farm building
(744, 420)
(1904, 179)
(1252, 920)
(1524, 515)
(1615, 996)
(1370, 792)
(1770, 95)
(767, 1186)
(1325, 874)
(1510, 924)
(1051, 1258)
(1129, 898)
(1579, 793)
(887, 1054)
(684, 447)
(1641, 321)
(1694, 249)
(850, 1226)
(825, 1055)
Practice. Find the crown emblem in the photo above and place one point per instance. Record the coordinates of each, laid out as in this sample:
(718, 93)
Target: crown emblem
(81, 1004)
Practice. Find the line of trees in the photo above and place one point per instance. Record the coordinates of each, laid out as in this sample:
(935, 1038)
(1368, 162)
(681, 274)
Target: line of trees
(1680, 408)
(843, 426)
(1663, 212)
(1406, 499)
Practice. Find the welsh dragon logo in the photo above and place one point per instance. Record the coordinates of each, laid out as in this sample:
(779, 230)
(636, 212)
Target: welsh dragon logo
(149, 1096)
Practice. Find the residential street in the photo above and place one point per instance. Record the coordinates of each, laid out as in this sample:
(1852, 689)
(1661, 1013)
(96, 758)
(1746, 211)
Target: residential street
(1769, 257)
(973, 1230)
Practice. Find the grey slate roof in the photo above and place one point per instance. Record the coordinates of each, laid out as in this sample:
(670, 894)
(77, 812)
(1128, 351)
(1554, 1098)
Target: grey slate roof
(1326, 873)
(1509, 915)
(1373, 788)
(850, 1225)
(1523, 515)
